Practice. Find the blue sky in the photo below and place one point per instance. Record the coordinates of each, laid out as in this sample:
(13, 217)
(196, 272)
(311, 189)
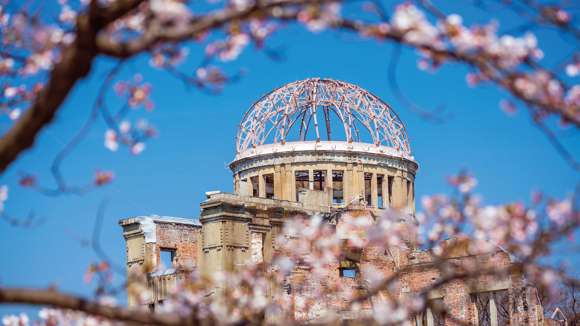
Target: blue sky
(508, 155)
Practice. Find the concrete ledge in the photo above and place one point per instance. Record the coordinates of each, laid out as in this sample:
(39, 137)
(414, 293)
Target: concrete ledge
(159, 219)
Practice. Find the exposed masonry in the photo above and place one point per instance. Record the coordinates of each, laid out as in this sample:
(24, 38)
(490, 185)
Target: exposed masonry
(283, 179)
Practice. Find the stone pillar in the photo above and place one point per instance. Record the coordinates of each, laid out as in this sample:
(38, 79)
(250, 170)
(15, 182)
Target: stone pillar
(290, 185)
(429, 317)
(412, 194)
(358, 183)
(348, 181)
(404, 194)
(141, 246)
(492, 311)
(397, 195)
(261, 186)
(237, 183)
(278, 181)
(329, 185)
(385, 190)
(374, 193)
(226, 237)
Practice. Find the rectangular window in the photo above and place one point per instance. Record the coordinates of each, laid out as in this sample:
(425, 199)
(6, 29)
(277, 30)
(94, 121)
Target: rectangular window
(368, 189)
(337, 187)
(255, 186)
(257, 247)
(380, 198)
(390, 181)
(301, 179)
(319, 179)
(269, 184)
(166, 257)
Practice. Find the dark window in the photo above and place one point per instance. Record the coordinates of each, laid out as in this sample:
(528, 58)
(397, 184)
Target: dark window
(349, 260)
(337, 187)
(255, 186)
(390, 181)
(380, 198)
(301, 178)
(319, 179)
(368, 189)
(269, 184)
(166, 256)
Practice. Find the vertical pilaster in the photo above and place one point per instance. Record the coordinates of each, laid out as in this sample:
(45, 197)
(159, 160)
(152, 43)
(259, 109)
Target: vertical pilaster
(348, 182)
(385, 189)
(358, 183)
(404, 194)
(397, 195)
(492, 311)
(261, 186)
(279, 181)
(374, 193)
(412, 194)
(329, 184)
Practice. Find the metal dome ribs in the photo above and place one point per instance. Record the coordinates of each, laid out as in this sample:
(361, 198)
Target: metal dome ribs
(319, 109)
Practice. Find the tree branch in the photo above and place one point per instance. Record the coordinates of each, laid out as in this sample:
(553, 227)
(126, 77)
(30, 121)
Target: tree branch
(75, 64)
(59, 300)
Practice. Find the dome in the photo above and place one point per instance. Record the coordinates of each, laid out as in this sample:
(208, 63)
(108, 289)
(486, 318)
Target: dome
(321, 110)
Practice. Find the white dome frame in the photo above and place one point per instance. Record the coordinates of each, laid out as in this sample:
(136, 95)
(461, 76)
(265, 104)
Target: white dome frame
(307, 103)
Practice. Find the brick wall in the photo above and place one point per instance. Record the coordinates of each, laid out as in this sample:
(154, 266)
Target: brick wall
(184, 239)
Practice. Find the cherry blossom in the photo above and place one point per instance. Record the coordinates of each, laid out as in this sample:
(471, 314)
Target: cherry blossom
(316, 18)
(3, 197)
(136, 92)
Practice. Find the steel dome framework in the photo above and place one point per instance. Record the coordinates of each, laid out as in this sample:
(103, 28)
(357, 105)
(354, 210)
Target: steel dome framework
(310, 108)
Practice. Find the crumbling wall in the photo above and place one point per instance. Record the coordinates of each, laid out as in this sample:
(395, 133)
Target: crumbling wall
(182, 238)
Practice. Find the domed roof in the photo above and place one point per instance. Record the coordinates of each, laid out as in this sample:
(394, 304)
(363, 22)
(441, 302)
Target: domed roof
(321, 110)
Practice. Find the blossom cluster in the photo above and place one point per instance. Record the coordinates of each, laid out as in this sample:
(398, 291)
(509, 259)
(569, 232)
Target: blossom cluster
(29, 50)
(508, 60)
(131, 135)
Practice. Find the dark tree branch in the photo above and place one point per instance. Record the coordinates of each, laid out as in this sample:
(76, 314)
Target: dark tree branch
(60, 300)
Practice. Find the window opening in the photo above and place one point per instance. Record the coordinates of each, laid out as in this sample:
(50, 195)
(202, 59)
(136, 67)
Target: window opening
(166, 257)
(337, 187)
(380, 198)
(390, 181)
(368, 191)
(301, 179)
(255, 186)
(269, 184)
(349, 261)
(319, 179)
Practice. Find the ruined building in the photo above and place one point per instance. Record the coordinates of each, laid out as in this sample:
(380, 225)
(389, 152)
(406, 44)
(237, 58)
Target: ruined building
(327, 147)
